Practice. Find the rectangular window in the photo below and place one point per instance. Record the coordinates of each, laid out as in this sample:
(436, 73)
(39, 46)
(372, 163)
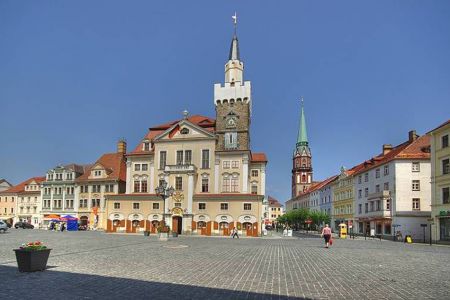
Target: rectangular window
(360, 208)
(205, 185)
(445, 195)
(177, 204)
(359, 179)
(234, 185)
(371, 206)
(179, 183)
(415, 167)
(366, 207)
(247, 206)
(366, 177)
(224, 206)
(377, 173)
(416, 185)
(69, 203)
(254, 189)
(202, 206)
(386, 170)
(188, 157)
(205, 159)
(144, 186)
(116, 205)
(146, 146)
(135, 205)
(416, 204)
(377, 188)
(226, 164)
(235, 164)
(255, 173)
(144, 167)
(378, 205)
(444, 141)
(137, 186)
(162, 159)
(446, 166)
(366, 192)
(226, 185)
(179, 157)
(359, 193)
(137, 167)
(386, 186)
(155, 205)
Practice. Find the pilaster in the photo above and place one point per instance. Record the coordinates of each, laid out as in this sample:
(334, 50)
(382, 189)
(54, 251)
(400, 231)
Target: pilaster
(128, 185)
(245, 175)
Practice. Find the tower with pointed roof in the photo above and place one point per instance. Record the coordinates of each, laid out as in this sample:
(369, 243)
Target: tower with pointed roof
(233, 104)
(302, 172)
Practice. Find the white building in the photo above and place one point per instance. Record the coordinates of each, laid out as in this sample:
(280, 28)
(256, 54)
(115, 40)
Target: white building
(393, 191)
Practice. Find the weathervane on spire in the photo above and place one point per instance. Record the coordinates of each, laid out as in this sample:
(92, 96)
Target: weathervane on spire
(234, 17)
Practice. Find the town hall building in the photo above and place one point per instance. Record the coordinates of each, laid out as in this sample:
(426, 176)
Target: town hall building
(218, 182)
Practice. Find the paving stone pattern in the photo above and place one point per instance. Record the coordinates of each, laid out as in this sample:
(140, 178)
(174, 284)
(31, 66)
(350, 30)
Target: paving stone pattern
(95, 265)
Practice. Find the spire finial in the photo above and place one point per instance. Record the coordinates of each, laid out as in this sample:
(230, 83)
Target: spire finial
(234, 17)
(302, 100)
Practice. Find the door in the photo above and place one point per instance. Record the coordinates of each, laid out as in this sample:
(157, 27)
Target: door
(247, 228)
(177, 224)
(201, 225)
(224, 228)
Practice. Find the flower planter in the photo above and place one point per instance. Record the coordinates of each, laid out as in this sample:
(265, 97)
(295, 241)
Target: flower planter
(31, 261)
(163, 236)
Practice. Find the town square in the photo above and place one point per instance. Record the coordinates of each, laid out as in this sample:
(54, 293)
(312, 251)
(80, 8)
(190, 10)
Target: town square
(224, 151)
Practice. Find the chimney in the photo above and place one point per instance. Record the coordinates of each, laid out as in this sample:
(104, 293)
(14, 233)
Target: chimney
(122, 146)
(412, 136)
(387, 148)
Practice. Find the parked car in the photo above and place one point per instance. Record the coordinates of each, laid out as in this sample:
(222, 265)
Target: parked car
(23, 225)
(3, 227)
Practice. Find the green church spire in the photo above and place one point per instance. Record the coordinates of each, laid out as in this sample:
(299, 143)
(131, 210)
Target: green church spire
(302, 139)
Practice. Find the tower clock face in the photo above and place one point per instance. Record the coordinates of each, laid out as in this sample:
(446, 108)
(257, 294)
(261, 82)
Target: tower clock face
(231, 122)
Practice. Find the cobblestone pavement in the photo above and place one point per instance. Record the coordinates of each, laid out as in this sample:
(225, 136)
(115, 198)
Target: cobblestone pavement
(94, 265)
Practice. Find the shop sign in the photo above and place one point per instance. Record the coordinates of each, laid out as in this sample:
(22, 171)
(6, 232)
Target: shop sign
(444, 213)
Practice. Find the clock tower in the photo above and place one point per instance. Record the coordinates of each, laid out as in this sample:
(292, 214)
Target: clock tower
(302, 172)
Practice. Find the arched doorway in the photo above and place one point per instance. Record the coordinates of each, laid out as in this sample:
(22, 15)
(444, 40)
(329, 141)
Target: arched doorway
(224, 228)
(201, 225)
(247, 228)
(83, 221)
(154, 227)
(177, 224)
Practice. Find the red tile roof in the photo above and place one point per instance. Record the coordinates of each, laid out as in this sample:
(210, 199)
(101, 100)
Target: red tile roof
(259, 157)
(206, 123)
(274, 202)
(114, 164)
(415, 149)
(21, 186)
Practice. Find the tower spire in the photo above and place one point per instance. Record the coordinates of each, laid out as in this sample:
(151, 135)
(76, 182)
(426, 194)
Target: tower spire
(234, 49)
(302, 139)
(234, 68)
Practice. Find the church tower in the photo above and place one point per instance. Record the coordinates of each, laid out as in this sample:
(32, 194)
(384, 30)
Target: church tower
(302, 172)
(233, 103)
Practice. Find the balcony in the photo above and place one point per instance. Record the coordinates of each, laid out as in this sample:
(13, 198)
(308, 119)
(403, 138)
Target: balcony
(186, 168)
(379, 195)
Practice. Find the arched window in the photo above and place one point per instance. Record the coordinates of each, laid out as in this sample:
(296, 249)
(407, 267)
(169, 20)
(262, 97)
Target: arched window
(303, 178)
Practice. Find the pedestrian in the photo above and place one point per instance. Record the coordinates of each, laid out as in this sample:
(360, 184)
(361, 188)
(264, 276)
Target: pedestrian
(326, 234)
(63, 226)
(234, 233)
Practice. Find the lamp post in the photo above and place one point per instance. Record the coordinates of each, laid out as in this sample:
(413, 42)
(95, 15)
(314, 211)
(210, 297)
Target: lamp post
(164, 192)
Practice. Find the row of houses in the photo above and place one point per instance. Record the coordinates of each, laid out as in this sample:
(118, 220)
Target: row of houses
(404, 189)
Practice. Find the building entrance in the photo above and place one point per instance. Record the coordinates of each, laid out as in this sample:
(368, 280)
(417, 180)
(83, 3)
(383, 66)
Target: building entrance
(177, 224)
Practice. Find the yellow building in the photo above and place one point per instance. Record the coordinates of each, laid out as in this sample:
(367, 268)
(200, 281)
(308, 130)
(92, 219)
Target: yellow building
(343, 200)
(440, 182)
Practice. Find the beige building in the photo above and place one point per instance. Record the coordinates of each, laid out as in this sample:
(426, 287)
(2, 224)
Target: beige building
(105, 177)
(440, 182)
(275, 210)
(22, 202)
(219, 182)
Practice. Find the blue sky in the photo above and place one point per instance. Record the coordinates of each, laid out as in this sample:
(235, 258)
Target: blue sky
(77, 76)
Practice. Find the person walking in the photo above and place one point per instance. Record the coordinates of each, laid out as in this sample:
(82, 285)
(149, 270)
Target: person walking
(235, 233)
(326, 234)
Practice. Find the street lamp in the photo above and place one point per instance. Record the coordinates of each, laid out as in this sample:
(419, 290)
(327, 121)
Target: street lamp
(164, 192)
